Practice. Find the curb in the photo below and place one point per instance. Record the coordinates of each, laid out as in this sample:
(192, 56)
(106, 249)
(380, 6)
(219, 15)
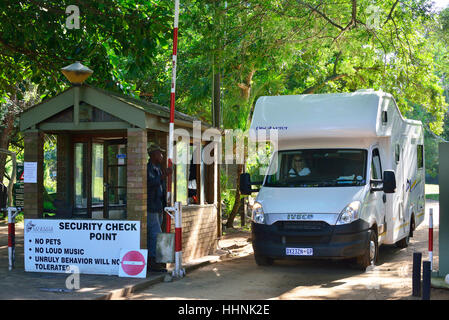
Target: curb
(141, 286)
(128, 290)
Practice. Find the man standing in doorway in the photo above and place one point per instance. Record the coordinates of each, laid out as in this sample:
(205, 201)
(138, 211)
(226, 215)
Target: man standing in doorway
(156, 201)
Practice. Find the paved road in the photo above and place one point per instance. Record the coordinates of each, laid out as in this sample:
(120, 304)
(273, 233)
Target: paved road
(243, 279)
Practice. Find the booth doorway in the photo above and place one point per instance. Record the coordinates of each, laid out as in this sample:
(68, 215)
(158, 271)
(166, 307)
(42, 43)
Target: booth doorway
(99, 178)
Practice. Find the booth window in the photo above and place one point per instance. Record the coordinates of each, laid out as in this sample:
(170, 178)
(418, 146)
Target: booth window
(188, 178)
(384, 117)
(420, 153)
(181, 172)
(397, 153)
(97, 174)
(194, 182)
(80, 177)
(194, 179)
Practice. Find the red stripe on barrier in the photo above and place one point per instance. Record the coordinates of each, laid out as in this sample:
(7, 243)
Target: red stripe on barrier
(178, 239)
(11, 234)
(431, 239)
(175, 41)
(169, 176)
(168, 224)
(172, 107)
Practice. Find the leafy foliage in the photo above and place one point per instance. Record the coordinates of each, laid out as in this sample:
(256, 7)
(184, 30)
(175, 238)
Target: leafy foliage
(258, 47)
(118, 38)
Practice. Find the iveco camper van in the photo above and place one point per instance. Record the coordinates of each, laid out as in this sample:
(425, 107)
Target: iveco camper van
(347, 176)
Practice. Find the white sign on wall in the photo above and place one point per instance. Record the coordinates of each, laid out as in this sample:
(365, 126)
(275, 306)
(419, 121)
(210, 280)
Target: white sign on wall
(30, 172)
(91, 245)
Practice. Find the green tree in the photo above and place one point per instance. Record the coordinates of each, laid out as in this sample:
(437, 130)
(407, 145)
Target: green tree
(259, 47)
(119, 39)
(297, 47)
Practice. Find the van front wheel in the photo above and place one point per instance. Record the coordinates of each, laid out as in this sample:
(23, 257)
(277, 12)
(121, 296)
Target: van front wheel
(263, 260)
(403, 243)
(370, 255)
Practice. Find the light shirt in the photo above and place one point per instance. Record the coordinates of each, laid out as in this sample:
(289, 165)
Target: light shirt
(302, 173)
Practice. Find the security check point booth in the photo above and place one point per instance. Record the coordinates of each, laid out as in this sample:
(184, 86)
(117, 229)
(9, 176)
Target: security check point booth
(102, 139)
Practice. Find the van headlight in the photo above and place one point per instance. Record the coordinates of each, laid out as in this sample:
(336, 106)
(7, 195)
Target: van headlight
(350, 213)
(257, 213)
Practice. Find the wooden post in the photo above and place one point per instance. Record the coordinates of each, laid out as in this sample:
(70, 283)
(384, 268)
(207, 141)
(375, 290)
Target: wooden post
(242, 211)
(33, 192)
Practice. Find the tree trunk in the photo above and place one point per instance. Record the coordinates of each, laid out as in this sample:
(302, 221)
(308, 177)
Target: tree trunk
(235, 208)
(5, 135)
(245, 91)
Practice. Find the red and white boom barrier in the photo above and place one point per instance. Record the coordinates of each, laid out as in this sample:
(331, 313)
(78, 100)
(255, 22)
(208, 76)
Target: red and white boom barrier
(172, 113)
(431, 238)
(176, 213)
(12, 212)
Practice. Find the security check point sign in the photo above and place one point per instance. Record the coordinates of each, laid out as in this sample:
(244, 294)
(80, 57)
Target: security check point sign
(91, 245)
(133, 263)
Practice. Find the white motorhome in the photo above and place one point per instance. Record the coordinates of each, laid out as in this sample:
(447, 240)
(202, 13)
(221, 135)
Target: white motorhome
(347, 176)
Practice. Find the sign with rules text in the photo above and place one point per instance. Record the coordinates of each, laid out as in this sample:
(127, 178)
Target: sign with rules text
(91, 245)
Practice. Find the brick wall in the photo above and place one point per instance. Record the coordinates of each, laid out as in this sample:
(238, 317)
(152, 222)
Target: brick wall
(33, 192)
(199, 231)
(137, 180)
(63, 165)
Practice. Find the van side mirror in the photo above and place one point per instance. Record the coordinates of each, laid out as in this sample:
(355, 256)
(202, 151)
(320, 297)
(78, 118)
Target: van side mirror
(389, 181)
(245, 184)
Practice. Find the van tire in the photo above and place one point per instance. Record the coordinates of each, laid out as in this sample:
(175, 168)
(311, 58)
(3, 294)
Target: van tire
(412, 226)
(263, 260)
(403, 243)
(365, 260)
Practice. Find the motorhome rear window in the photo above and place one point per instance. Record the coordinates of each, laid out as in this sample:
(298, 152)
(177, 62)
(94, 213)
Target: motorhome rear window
(318, 168)
(420, 153)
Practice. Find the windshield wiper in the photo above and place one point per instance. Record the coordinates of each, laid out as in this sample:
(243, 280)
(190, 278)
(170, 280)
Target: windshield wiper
(314, 183)
(348, 181)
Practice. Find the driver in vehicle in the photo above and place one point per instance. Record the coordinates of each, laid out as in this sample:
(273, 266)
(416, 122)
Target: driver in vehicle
(299, 167)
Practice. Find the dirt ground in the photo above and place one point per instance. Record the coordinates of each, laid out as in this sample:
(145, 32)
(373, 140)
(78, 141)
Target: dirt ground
(241, 278)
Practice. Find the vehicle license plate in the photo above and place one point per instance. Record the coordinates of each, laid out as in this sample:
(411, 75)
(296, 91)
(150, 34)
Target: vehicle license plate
(299, 251)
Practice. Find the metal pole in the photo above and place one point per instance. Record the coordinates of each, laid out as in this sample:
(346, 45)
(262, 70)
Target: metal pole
(11, 216)
(431, 238)
(11, 237)
(416, 283)
(179, 271)
(172, 115)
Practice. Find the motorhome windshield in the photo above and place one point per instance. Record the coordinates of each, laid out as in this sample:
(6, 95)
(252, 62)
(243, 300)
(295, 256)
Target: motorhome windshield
(317, 168)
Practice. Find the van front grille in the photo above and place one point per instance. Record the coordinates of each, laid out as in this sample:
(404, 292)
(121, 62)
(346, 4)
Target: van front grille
(307, 226)
(295, 240)
(304, 232)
